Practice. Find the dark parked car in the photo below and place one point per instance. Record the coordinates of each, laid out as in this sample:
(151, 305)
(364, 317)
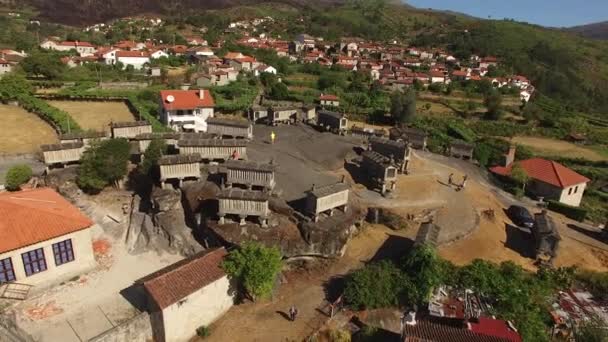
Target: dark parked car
(520, 216)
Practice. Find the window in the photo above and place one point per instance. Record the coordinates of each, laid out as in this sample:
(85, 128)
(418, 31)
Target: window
(570, 191)
(7, 274)
(576, 189)
(63, 252)
(34, 262)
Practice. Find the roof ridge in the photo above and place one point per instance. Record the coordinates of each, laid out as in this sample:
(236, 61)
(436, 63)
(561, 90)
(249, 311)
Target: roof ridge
(559, 178)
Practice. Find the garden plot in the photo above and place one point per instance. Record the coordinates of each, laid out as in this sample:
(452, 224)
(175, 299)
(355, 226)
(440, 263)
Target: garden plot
(93, 115)
(23, 132)
(559, 148)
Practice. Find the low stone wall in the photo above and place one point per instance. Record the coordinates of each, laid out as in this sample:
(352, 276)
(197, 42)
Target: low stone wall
(123, 85)
(137, 329)
(10, 332)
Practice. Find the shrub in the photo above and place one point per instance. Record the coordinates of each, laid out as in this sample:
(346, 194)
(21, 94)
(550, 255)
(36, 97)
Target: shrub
(102, 164)
(203, 331)
(377, 285)
(569, 211)
(17, 175)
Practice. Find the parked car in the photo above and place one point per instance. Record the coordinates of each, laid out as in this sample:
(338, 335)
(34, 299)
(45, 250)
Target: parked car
(520, 216)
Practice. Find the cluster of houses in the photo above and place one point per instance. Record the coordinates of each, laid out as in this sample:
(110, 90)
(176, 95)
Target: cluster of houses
(9, 59)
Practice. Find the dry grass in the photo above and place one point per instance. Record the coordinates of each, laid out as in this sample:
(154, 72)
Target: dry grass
(95, 115)
(436, 109)
(23, 132)
(560, 148)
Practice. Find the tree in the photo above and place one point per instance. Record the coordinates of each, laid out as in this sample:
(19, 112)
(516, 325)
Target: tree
(155, 150)
(13, 85)
(403, 106)
(17, 175)
(520, 176)
(425, 269)
(102, 164)
(255, 267)
(279, 91)
(43, 64)
(493, 101)
(377, 285)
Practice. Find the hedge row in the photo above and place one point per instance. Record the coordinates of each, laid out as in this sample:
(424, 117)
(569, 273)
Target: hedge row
(60, 119)
(145, 110)
(569, 211)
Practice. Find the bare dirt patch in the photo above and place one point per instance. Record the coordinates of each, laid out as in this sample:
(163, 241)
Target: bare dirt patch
(559, 148)
(95, 115)
(23, 132)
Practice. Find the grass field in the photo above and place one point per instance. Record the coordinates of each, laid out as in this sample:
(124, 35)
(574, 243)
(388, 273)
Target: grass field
(437, 109)
(95, 115)
(552, 147)
(23, 132)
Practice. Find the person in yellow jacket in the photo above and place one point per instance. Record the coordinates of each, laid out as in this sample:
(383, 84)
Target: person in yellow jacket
(272, 137)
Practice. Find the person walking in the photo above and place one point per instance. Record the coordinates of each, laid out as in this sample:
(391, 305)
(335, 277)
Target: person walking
(464, 181)
(451, 179)
(273, 136)
(292, 313)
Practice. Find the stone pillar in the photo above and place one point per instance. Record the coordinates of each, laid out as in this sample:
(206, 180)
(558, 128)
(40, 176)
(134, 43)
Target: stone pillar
(345, 208)
(264, 222)
(181, 182)
(222, 220)
(316, 218)
(393, 186)
(162, 184)
(383, 191)
(331, 212)
(242, 217)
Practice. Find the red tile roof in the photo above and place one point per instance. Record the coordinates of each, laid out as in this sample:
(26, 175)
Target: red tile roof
(132, 54)
(175, 282)
(3, 61)
(430, 331)
(546, 171)
(328, 97)
(75, 44)
(459, 73)
(187, 99)
(31, 216)
(495, 327)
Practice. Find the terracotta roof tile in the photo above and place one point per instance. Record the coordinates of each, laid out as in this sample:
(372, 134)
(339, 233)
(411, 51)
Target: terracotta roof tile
(31, 216)
(175, 282)
(187, 99)
(431, 331)
(546, 171)
(495, 327)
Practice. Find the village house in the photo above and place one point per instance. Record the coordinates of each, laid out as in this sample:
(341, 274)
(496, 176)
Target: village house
(263, 68)
(5, 66)
(158, 54)
(245, 63)
(329, 100)
(196, 40)
(137, 59)
(83, 48)
(200, 51)
(45, 239)
(486, 62)
(186, 110)
(187, 295)
(549, 179)
(437, 77)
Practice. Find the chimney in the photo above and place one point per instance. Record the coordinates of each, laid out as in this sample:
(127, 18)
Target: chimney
(201, 94)
(510, 156)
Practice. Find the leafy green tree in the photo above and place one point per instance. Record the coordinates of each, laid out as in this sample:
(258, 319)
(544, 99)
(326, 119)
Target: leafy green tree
(425, 269)
(520, 176)
(43, 63)
(155, 150)
(255, 267)
(102, 164)
(377, 285)
(493, 102)
(403, 106)
(17, 175)
(279, 91)
(13, 85)
(268, 79)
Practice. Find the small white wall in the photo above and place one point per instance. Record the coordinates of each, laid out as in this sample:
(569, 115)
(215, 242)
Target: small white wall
(136, 62)
(83, 260)
(200, 308)
(573, 195)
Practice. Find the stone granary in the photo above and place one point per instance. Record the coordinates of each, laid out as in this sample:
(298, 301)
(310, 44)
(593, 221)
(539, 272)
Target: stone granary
(415, 137)
(461, 149)
(180, 167)
(130, 130)
(170, 138)
(277, 115)
(546, 237)
(243, 203)
(230, 128)
(366, 133)
(309, 113)
(214, 149)
(62, 154)
(428, 234)
(327, 198)
(381, 170)
(332, 121)
(249, 174)
(258, 113)
(398, 150)
(83, 137)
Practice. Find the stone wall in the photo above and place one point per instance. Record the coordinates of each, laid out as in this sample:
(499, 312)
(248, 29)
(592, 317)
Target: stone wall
(138, 329)
(10, 332)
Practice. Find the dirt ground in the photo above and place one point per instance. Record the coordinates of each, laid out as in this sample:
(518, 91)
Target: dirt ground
(95, 115)
(23, 132)
(306, 289)
(559, 148)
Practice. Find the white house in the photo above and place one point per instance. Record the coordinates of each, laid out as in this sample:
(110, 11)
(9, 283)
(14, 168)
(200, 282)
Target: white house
(158, 54)
(200, 51)
(437, 77)
(264, 68)
(45, 239)
(329, 100)
(525, 96)
(189, 294)
(138, 59)
(186, 110)
(5, 67)
(83, 48)
(109, 57)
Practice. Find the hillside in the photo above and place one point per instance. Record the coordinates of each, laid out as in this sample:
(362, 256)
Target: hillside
(593, 31)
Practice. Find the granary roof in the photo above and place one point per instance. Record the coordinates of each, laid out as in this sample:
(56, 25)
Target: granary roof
(156, 135)
(332, 114)
(174, 159)
(460, 144)
(248, 165)
(242, 194)
(376, 157)
(327, 190)
(212, 142)
(394, 143)
(32, 216)
(546, 171)
(129, 124)
(82, 135)
(60, 147)
(428, 234)
(544, 225)
(177, 281)
(227, 122)
(408, 132)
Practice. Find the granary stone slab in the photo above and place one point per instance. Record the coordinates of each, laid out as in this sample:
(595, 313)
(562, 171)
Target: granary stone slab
(175, 159)
(246, 195)
(60, 147)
